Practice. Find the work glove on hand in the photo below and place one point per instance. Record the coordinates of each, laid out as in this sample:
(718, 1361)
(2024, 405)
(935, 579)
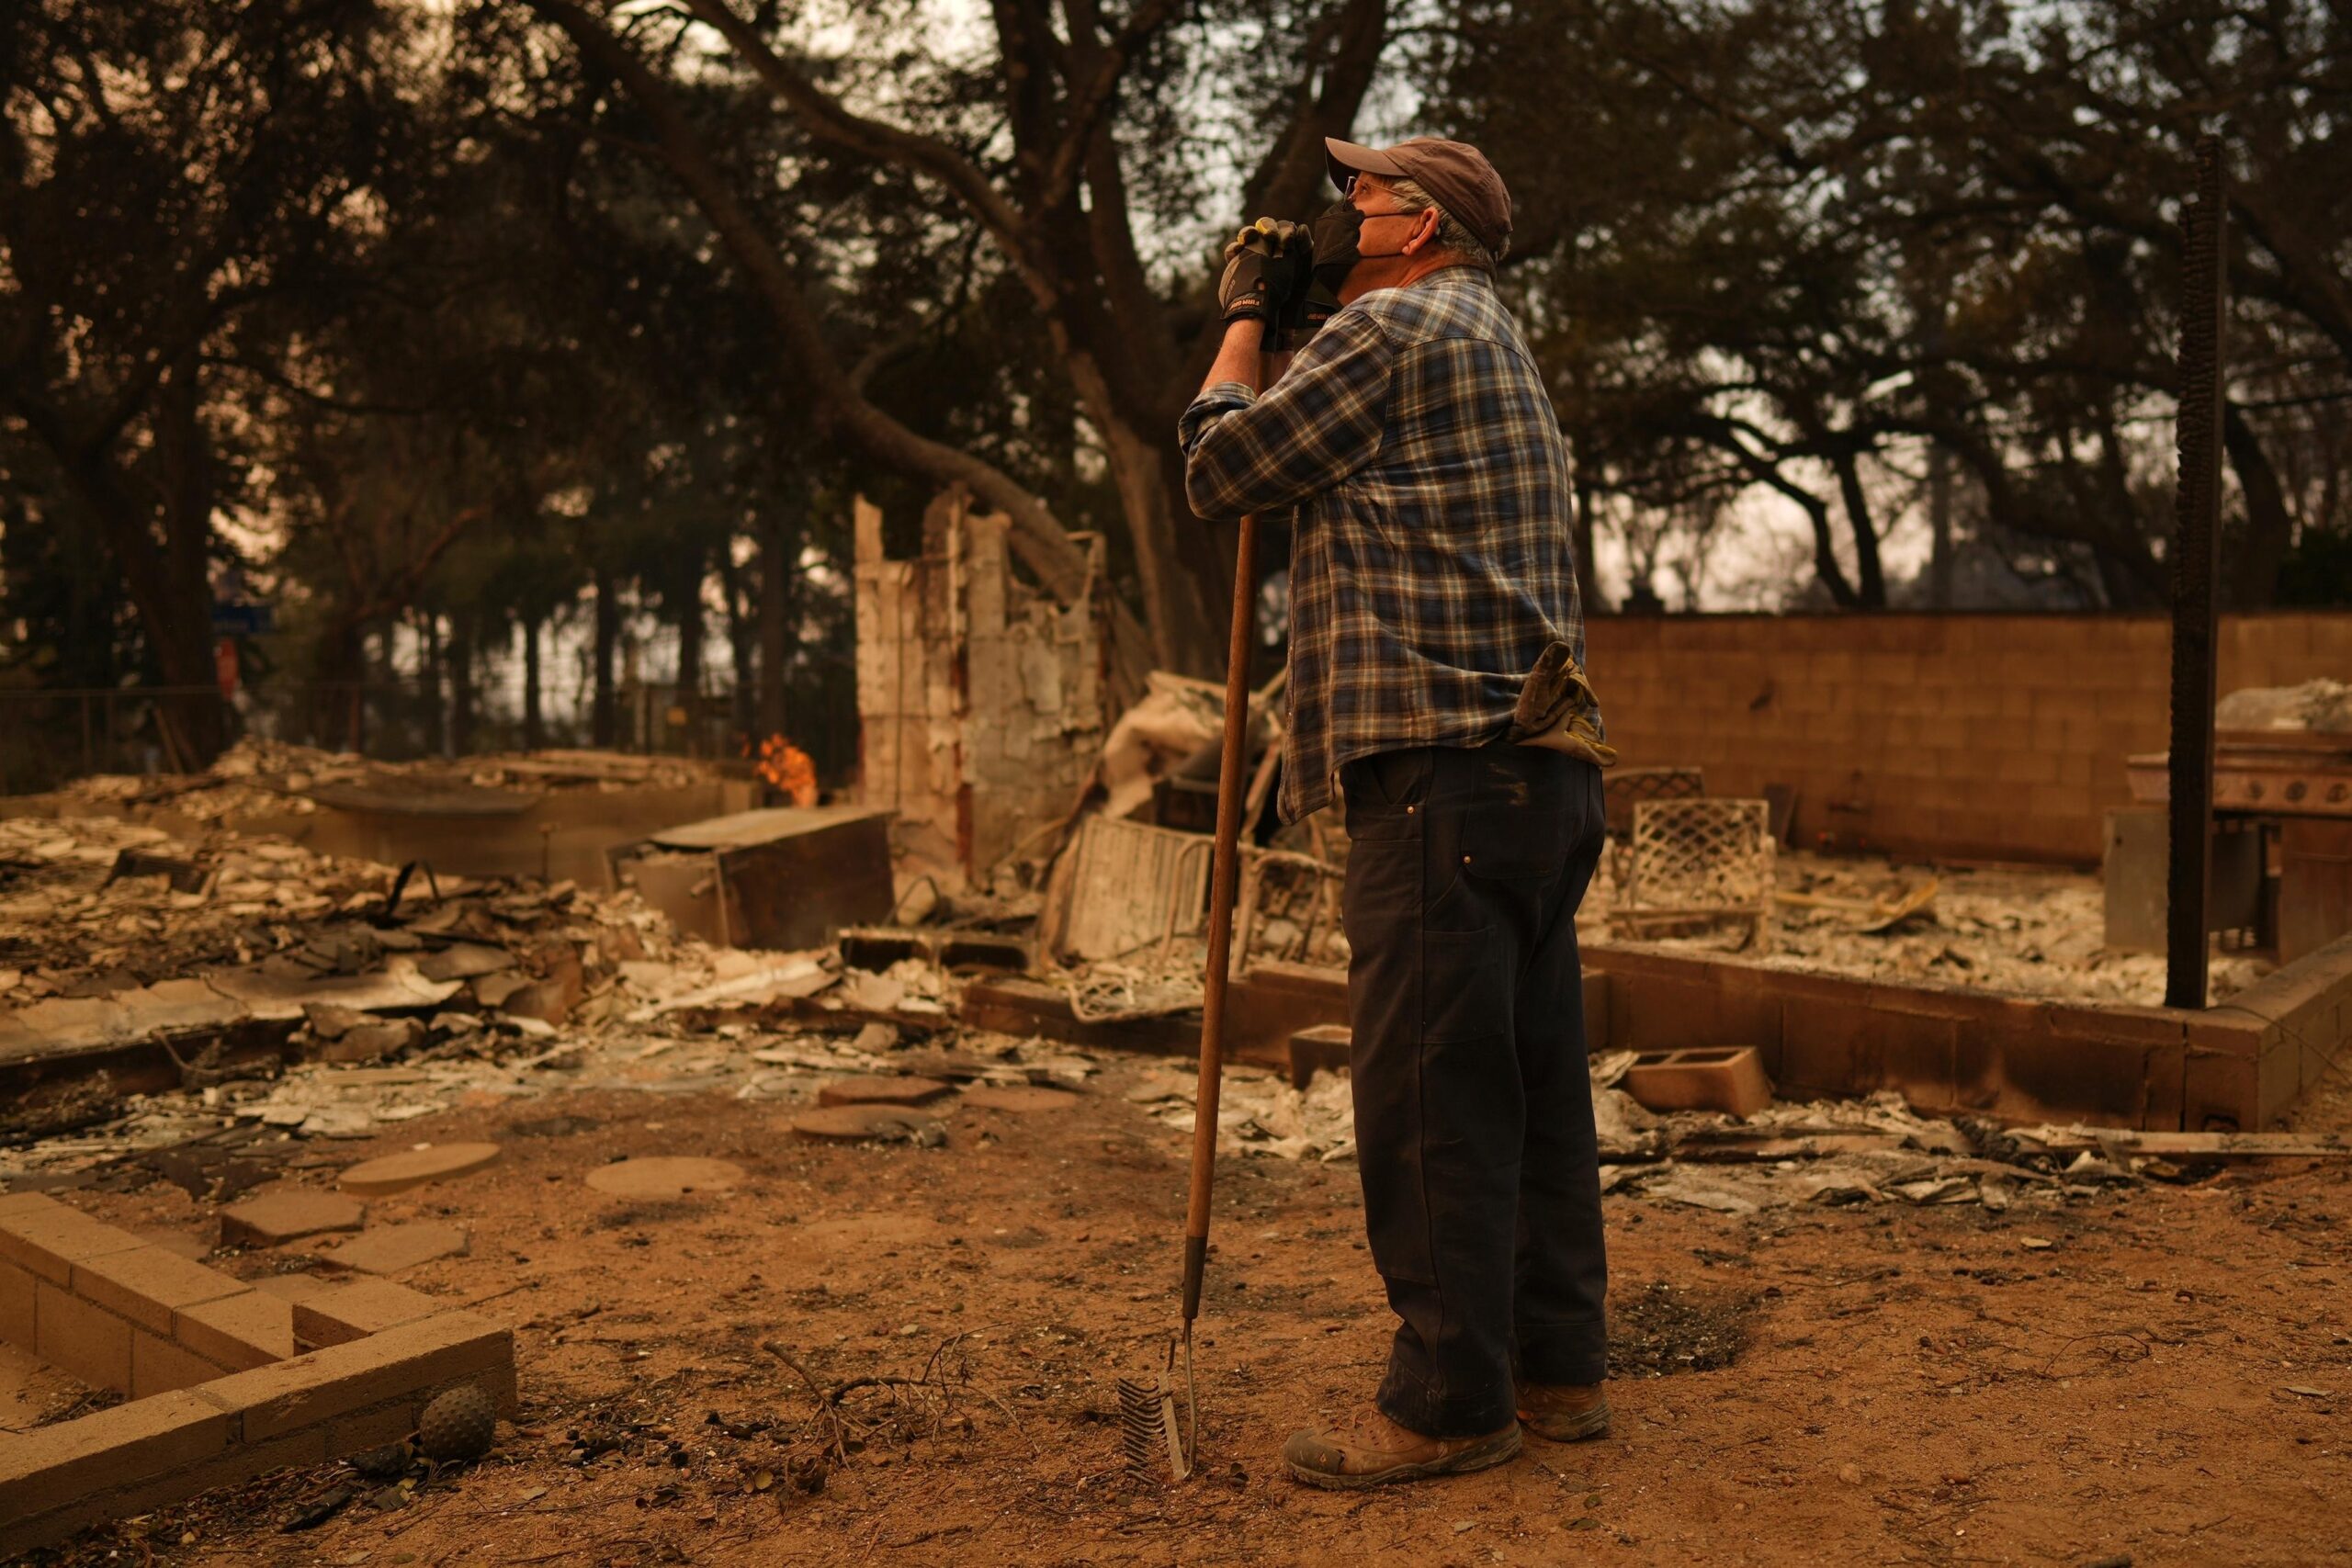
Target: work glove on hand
(1312, 306)
(1265, 266)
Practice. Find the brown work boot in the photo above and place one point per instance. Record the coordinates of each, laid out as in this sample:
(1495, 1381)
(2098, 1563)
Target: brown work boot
(1369, 1449)
(1563, 1412)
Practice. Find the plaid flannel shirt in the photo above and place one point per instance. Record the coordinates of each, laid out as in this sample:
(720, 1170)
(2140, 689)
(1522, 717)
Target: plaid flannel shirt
(1430, 562)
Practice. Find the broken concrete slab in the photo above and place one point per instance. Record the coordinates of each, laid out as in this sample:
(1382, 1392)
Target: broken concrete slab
(74, 1025)
(330, 1021)
(288, 1214)
(273, 995)
(372, 1041)
(465, 960)
(550, 998)
(393, 1249)
(865, 1123)
(875, 1089)
(492, 990)
(665, 1176)
(1022, 1100)
(792, 974)
(414, 1167)
(949, 1067)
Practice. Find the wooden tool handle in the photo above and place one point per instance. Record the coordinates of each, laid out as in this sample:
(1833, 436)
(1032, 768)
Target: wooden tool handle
(1224, 867)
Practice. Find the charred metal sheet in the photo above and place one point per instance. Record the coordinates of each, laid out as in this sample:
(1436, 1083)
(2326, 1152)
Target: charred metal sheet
(1125, 887)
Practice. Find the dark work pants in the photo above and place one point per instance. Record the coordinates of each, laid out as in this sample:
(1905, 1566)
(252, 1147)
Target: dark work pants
(1473, 1101)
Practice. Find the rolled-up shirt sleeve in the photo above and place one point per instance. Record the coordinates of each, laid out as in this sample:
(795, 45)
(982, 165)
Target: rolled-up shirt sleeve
(1250, 452)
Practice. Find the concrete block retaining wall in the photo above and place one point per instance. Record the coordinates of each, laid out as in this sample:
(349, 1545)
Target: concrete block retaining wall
(220, 1379)
(2237, 1066)
(1992, 736)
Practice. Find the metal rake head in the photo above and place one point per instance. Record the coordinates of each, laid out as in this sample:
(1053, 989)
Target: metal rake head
(1147, 1421)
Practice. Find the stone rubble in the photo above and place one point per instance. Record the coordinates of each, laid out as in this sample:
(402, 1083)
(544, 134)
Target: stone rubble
(497, 988)
(2037, 932)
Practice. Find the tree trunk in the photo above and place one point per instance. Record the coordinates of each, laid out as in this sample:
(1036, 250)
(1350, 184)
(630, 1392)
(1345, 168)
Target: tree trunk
(742, 640)
(533, 732)
(601, 725)
(686, 689)
(339, 673)
(2269, 527)
(1588, 570)
(167, 586)
(428, 681)
(462, 636)
(1184, 576)
(1175, 563)
(1870, 579)
(196, 725)
(1940, 556)
(1035, 534)
(775, 628)
(690, 628)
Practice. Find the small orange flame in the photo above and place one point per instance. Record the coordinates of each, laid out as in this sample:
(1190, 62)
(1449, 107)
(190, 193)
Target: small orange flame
(788, 768)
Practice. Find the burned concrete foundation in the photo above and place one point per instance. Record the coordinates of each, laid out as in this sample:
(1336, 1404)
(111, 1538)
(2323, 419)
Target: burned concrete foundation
(1947, 1051)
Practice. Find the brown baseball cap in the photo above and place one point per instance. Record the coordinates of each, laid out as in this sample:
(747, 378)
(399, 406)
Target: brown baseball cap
(1455, 173)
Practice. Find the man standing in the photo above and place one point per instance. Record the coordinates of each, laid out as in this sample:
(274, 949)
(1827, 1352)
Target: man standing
(1436, 650)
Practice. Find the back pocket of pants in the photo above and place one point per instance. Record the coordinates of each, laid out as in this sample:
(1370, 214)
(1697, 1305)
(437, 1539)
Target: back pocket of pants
(1521, 822)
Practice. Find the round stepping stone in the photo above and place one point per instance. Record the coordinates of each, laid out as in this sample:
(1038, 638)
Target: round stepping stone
(414, 1167)
(880, 1091)
(1019, 1098)
(288, 1216)
(861, 1123)
(665, 1176)
(389, 1249)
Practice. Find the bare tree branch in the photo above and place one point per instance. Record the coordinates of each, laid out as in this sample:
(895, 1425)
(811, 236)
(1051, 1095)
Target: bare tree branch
(1035, 534)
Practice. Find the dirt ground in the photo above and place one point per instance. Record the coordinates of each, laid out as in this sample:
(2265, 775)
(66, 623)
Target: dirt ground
(2158, 1375)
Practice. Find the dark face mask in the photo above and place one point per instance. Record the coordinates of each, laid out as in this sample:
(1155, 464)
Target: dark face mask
(1335, 240)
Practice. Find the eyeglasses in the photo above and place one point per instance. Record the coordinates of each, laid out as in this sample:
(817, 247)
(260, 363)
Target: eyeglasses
(1355, 181)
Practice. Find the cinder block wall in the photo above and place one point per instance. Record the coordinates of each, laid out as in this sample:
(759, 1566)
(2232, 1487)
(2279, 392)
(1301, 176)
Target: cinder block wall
(1983, 736)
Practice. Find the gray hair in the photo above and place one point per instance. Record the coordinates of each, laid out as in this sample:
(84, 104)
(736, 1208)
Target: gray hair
(1452, 232)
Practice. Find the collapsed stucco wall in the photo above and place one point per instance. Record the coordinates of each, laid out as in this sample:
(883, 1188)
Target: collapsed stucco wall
(980, 701)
